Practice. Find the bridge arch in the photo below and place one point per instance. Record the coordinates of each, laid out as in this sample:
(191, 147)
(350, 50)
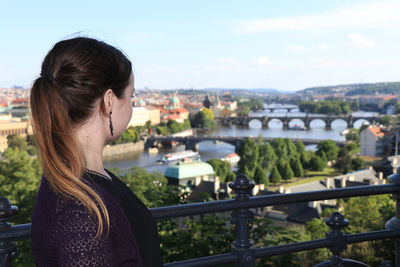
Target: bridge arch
(360, 122)
(339, 121)
(257, 123)
(274, 120)
(297, 122)
(310, 123)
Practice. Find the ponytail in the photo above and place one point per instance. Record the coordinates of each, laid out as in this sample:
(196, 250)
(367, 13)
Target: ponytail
(59, 151)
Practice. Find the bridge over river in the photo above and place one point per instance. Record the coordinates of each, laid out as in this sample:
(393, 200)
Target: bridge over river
(191, 142)
(286, 118)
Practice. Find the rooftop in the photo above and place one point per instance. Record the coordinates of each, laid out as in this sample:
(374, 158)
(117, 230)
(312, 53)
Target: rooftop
(190, 169)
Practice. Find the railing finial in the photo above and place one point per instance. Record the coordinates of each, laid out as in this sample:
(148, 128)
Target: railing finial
(7, 249)
(395, 177)
(242, 187)
(339, 242)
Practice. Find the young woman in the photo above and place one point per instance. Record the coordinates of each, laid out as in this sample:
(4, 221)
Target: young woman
(84, 215)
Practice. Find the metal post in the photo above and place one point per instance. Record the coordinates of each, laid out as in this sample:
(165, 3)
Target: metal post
(394, 223)
(7, 249)
(241, 219)
(339, 242)
(396, 148)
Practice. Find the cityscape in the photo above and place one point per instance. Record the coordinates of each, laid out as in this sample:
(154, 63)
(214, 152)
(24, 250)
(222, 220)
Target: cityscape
(263, 133)
(200, 140)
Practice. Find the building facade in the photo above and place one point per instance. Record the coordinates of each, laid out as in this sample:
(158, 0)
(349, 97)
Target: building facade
(372, 141)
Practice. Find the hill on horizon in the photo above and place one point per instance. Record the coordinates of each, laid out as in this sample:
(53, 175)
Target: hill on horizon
(257, 90)
(355, 89)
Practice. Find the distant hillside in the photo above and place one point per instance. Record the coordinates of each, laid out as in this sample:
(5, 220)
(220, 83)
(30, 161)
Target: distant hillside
(254, 90)
(356, 89)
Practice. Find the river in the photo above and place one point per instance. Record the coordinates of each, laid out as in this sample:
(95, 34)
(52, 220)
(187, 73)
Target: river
(208, 150)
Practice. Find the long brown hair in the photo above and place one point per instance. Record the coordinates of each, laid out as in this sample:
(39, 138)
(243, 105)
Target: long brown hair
(75, 74)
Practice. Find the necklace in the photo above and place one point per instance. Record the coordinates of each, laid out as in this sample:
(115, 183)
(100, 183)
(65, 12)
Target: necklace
(98, 174)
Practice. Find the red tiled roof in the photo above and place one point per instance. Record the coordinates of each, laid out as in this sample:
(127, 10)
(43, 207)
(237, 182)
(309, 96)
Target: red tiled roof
(376, 131)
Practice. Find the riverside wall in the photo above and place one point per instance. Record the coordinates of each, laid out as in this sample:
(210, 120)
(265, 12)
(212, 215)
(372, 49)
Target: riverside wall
(116, 150)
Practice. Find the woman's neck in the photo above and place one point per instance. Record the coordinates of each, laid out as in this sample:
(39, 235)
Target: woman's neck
(92, 137)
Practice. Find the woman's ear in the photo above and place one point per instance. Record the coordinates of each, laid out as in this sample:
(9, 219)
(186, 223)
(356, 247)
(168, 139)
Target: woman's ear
(108, 100)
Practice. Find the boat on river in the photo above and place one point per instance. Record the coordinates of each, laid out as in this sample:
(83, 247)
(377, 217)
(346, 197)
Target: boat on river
(297, 127)
(179, 156)
(231, 158)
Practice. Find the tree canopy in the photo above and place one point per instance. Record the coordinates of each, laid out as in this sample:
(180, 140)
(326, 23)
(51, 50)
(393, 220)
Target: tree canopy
(203, 119)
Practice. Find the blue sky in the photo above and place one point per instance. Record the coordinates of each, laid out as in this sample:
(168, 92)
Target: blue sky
(287, 45)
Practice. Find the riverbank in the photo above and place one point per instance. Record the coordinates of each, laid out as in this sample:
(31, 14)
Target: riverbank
(111, 151)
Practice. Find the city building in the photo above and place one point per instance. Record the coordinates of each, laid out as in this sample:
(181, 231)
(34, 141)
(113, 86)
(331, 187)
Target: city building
(140, 115)
(223, 109)
(174, 111)
(12, 126)
(372, 141)
(190, 173)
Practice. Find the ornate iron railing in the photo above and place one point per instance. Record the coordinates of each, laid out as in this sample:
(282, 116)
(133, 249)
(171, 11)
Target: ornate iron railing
(242, 254)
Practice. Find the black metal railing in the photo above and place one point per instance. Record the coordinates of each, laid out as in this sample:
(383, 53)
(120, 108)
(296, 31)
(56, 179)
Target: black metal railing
(242, 254)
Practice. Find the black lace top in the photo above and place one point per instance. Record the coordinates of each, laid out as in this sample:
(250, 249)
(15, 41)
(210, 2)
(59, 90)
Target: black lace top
(141, 220)
(63, 231)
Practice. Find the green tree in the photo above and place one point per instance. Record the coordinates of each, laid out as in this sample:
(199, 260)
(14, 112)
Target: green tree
(386, 120)
(330, 149)
(260, 176)
(297, 167)
(19, 179)
(280, 147)
(249, 154)
(290, 148)
(162, 129)
(317, 164)
(174, 126)
(275, 176)
(143, 184)
(131, 134)
(336, 107)
(316, 229)
(352, 148)
(197, 238)
(204, 119)
(17, 141)
(353, 135)
(267, 157)
(148, 124)
(222, 169)
(300, 148)
(343, 162)
(369, 214)
(357, 163)
(287, 172)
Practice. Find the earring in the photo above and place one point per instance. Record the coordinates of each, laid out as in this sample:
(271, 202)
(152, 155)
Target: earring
(111, 125)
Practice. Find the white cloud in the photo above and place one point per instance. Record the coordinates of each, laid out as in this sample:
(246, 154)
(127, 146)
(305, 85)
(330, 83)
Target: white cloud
(323, 47)
(264, 61)
(224, 60)
(358, 40)
(366, 15)
(294, 48)
(318, 60)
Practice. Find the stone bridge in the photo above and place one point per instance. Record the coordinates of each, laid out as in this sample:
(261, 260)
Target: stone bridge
(306, 119)
(191, 142)
(289, 108)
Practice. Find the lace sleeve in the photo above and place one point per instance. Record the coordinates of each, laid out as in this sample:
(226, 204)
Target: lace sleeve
(74, 236)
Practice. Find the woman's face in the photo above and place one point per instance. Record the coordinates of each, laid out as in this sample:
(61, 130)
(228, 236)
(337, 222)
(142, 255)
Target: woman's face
(122, 110)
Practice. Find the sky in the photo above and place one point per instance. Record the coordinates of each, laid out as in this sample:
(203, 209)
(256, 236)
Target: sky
(288, 45)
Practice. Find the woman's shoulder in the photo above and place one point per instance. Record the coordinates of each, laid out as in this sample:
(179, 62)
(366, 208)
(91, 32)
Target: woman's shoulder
(54, 204)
